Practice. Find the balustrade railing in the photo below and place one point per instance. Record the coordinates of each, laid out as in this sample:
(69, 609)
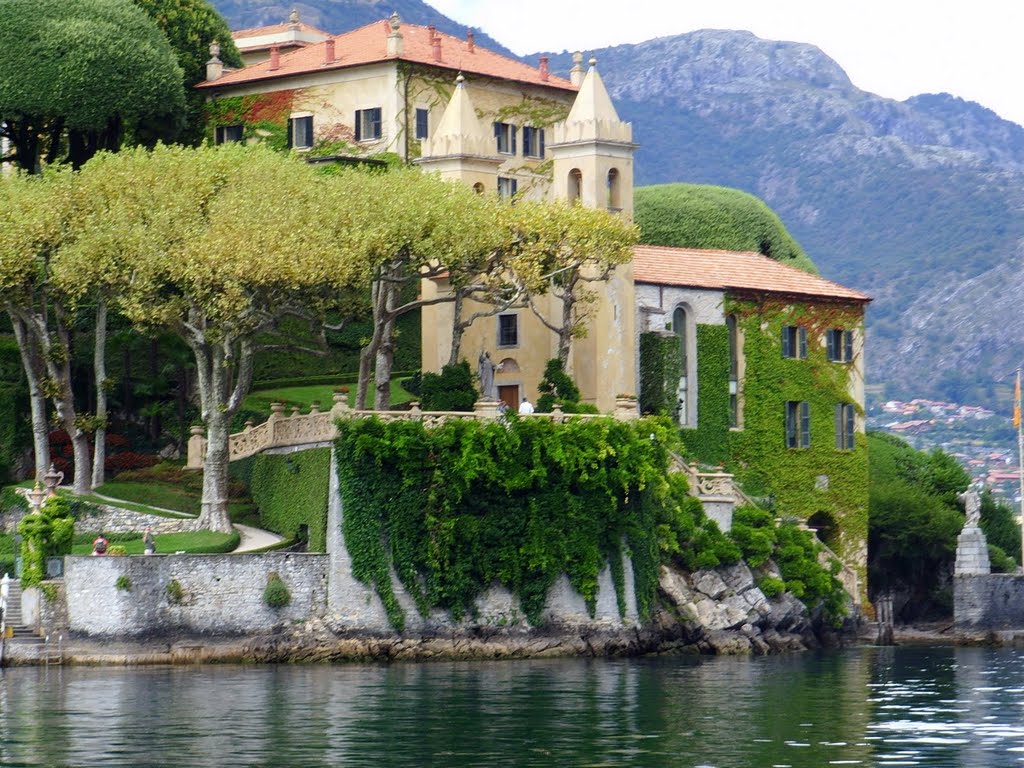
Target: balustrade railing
(282, 431)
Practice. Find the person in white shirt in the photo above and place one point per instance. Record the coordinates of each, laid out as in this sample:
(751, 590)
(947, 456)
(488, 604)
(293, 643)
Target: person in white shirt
(525, 407)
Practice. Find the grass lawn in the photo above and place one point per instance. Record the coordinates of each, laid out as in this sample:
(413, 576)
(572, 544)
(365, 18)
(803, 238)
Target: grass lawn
(153, 494)
(304, 396)
(198, 542)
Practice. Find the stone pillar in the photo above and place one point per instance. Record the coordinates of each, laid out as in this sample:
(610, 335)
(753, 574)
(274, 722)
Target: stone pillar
(972, 552)
(196, 448)
(486, 409)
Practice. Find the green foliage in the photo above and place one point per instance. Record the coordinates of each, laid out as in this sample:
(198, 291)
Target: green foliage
(795, 552)
(914, 521)
(771, 586)
(276, 593)
(93, 68)
(701, 216)
(50, 592)
(193, 542)
(661, 366)
(557, 386)
(1002, 531)
(712, 441)
(451, 390)
(175, 592)
(290, 493)
(457, 508)
(123, 583)
(46, 533)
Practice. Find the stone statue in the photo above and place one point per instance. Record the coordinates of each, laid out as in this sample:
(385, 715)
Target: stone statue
(972, 506)
(485, 370)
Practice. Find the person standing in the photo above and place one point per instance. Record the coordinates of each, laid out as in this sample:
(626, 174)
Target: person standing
(148, 542)
(525, 407)
(99, 545)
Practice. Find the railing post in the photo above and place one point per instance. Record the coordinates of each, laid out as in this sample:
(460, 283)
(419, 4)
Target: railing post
(626, 409)
(196, 447)
(486, 410)
(276, 414)
(340, 408)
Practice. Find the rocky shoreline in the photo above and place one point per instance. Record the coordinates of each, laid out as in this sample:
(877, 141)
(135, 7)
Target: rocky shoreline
(719, 611)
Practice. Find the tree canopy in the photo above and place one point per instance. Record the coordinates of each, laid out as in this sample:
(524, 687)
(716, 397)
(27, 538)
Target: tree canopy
(703, 216)
(77, 75)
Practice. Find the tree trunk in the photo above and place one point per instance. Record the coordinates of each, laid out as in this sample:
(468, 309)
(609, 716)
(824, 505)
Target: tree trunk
(565, 331)
(31, 361)
(366, 355)
(58, 364)
(99, 361)
(214, 514)
(458, 328)
(382, 368)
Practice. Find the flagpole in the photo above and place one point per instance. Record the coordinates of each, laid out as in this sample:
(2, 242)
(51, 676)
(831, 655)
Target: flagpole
(1020, 461)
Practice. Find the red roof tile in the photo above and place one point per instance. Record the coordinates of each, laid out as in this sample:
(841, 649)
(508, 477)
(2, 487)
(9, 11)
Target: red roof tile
(735, 270)
(368, 45)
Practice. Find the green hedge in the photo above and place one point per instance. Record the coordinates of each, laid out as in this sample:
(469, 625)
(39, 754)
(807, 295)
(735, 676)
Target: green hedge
(661, 367)
(290, 492)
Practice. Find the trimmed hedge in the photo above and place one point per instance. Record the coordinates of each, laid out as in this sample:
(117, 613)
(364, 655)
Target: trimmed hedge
(291, 492)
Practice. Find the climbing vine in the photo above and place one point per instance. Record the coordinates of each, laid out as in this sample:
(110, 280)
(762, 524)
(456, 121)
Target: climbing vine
(460, 507)
(263, 116)
(661, 365)
(711, 441)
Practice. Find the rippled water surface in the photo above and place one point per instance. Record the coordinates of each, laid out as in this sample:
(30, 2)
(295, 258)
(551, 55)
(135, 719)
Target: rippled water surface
(867, 706)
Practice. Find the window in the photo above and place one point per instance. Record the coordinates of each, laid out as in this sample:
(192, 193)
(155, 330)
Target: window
(612, 182)
(574, 188)
(798, 424)
(368, 124)
(225, 134)
(422, 123)
(794, 341)
(508, 330)
(839, 344)
(300, 132)
(505, 135)
(507, 187)
(734, 371)
(845, 423)
(533, 142)
(682, 389)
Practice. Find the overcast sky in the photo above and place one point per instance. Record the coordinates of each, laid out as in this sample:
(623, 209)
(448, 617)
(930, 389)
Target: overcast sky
(895, 48)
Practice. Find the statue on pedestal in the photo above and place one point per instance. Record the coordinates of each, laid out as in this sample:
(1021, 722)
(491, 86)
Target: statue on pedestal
(485, 370)
(972, 507)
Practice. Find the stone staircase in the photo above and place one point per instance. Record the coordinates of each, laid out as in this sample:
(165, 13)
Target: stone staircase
(24, 642)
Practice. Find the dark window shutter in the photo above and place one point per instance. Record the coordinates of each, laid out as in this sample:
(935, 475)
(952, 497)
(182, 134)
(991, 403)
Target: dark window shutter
(512, 136)
(540, 133)
(805, 425)
(790, 426)
(787, 348)
(840, 437)
(375, 117)
(830, 345)
(515, 187)
(291, 133)
(802, 335)
(848, 346)
(359, 125)
(850, 422)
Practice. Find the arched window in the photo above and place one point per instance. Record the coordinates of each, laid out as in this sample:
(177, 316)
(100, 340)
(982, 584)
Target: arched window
(614, 195)
(478, 188)
(575, 185)
(679, 328)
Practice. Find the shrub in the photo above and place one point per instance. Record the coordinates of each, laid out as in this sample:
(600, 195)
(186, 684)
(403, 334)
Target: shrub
(123, 583)
(276, 593)
(175, 592)
(771, 586)
(451, 390)
(557, 386)
(117, 550)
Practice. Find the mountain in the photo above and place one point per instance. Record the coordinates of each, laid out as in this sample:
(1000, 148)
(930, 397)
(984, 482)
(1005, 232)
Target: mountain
(337, 16)
(919, 203)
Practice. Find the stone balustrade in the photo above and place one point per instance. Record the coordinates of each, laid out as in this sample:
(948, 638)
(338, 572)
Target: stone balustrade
(282, 431)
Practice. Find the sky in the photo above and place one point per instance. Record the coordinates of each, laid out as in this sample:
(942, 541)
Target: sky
(894, 48)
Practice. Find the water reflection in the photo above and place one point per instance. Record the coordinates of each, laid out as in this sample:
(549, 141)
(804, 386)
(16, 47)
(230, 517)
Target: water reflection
(870, 706)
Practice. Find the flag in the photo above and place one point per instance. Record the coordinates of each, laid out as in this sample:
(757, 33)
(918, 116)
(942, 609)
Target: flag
(1016, 402)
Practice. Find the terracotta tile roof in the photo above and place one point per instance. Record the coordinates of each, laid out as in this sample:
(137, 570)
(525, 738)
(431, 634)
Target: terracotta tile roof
(735, 270)
(274, 29)
(368, 45)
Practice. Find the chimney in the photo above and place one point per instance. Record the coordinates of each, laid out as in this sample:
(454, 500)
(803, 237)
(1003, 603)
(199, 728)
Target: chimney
(576, 73)
(437, 48)
(544, 68)
(214, 67)
(329, 50)
(395, 43)
(470, 41)
(431, 33)
(275, 59)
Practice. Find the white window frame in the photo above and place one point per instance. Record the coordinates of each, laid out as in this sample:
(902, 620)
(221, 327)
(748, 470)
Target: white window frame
(365, 120)
(293, 123)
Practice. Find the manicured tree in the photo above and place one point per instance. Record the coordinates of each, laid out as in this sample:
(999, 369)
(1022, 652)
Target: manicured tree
(77, 75)
(34, 228)
(407, 226)
(703, 216)
(190, 26)
(217, 245)
(563, 250)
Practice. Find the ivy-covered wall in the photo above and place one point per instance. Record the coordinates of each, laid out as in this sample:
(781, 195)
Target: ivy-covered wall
(458, 508)
(801, 482)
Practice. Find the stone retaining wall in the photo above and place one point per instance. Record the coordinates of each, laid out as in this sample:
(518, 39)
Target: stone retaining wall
(988, 601)
(116, 520)
(220, 594)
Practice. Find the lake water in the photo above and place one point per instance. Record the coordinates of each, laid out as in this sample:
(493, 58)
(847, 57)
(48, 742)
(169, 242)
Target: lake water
(864, 706)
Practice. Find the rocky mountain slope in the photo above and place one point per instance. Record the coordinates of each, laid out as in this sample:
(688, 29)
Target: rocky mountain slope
(919, 203)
